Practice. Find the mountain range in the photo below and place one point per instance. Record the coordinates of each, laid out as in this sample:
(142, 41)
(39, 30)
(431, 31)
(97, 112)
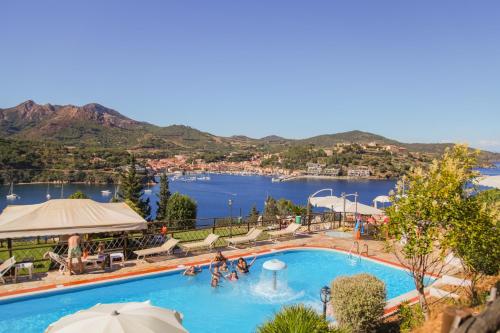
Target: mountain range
(96, 125)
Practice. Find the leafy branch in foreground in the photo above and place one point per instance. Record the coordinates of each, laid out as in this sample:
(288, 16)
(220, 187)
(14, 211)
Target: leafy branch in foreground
(424, 218)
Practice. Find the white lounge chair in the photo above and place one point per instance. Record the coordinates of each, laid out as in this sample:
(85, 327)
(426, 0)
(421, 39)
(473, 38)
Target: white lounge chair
(250, 237)
(6, 266)
(58, 259)
(207, 243)
(167, 247)
(291, 230)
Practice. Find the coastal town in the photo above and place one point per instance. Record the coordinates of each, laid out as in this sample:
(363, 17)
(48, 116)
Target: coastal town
(321, 166)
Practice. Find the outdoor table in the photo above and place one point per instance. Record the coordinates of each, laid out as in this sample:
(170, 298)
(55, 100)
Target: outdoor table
(116, 255)
(23, 265)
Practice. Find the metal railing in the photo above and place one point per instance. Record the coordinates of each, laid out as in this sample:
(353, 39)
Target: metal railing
(33, 249)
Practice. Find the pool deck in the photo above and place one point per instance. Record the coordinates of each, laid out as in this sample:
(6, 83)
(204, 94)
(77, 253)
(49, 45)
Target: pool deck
(135, 268)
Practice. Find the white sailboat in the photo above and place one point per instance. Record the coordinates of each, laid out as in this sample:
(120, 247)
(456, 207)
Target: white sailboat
(48, 192)
(106, 193)
(12, 195)
(148, 191)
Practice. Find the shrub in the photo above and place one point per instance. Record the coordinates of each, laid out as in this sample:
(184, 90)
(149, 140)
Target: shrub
(410, 317)
(296, 319)
(78, 195)
(358, 302)
(181, 211)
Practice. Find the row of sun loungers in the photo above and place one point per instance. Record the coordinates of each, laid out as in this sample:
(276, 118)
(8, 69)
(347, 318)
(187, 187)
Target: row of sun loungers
(209, 242)
(167, 248)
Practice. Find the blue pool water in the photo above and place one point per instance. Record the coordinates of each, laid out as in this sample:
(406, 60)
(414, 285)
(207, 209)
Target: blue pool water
(233, 307)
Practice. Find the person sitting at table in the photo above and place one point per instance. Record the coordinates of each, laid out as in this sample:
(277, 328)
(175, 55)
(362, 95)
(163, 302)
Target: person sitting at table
(102, 257)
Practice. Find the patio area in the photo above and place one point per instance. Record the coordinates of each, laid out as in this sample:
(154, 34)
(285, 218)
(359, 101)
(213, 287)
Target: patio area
(55, 280)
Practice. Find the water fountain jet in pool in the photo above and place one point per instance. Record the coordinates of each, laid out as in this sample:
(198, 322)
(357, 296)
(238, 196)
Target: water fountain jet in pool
(274, 265)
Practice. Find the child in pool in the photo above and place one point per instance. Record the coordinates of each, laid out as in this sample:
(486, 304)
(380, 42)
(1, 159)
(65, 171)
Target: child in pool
(192, 271)
(233, 276)
(243, 266)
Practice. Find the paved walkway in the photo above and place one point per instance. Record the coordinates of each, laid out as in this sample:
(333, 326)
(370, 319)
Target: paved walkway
(53, 279)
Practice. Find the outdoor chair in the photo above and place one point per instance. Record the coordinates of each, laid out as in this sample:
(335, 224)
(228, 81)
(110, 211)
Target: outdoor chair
(5, 267)
(167, 247)
(250, 237)
(57, 259)
(291, 230)
(207, 243)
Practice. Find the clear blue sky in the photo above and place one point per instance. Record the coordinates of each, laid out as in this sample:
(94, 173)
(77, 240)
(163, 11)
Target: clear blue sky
(416, 71)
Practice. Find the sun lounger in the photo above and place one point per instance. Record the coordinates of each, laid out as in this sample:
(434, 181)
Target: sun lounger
(58, 259)
(167, 247)
(291, 230)
(6, 266)
(207, 243)
(250, 237)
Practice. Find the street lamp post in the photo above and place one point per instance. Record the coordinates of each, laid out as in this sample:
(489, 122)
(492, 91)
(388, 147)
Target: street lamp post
(230, 203)
(325, 295)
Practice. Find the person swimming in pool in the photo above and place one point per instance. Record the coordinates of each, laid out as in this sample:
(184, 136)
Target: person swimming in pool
(216, 276)
(219, 258)
(233, 276)
(224, 267)
(192, 271)
(243, 266)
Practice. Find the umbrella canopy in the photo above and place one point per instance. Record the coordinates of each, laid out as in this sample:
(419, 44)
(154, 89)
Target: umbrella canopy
(490, 181)
(328, 201)
(337, 204)
(68, 216)
(382, 198)
(120, 318)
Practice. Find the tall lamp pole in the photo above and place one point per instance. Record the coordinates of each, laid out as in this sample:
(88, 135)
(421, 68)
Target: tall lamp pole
(325, 295)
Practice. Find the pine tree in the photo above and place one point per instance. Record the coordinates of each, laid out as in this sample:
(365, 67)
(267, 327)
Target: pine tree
(132, 190)
(271, 210)
(164, 196)
(254, 215)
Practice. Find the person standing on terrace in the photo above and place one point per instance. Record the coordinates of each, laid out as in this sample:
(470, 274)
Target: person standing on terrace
(74, 251)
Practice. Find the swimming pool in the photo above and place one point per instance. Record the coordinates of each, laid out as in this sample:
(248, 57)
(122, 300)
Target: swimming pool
(233, 307)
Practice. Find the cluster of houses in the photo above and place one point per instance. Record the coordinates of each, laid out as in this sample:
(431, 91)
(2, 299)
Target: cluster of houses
(320, 169)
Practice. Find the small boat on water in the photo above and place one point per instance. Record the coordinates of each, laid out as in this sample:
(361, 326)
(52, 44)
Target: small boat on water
(148, 191)
(48, 192)
(203, 178)
(105, 192)
(12, 195)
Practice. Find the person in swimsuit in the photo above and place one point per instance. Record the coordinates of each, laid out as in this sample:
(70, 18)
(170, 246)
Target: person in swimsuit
(243, 266)
(233, 276)
(101, 256)
(219, 258)
(224, 267)
(216, 276)
(74, 251)
(192, 271)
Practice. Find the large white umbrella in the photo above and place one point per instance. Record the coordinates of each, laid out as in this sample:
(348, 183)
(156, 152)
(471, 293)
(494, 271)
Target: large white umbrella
(120, 318)
(382, 199)
(490, 181)
(328, 201)
(338, 204)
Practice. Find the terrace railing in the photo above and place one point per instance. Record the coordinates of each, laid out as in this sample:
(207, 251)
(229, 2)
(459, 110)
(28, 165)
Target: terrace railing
(33, 249)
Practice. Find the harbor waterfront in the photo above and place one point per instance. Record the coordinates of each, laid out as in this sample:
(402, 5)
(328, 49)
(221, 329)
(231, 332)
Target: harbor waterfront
(212, 195)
